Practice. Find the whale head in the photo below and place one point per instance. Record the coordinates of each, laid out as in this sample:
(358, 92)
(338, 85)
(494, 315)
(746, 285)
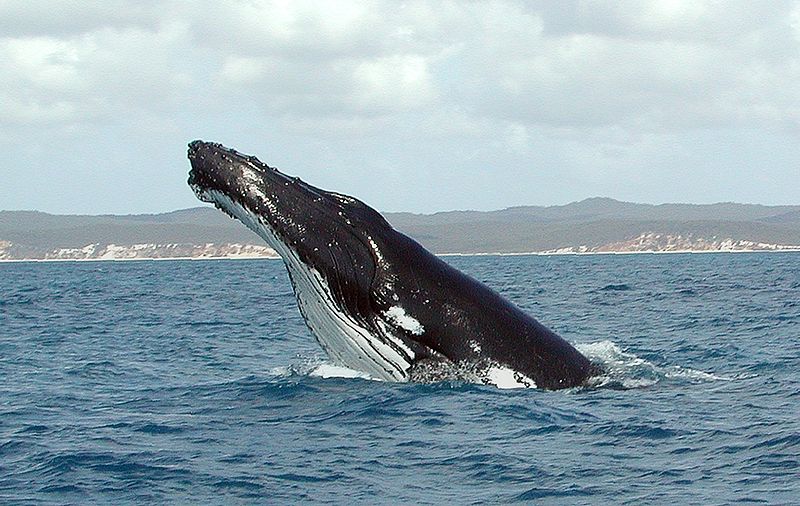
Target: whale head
(319, 227)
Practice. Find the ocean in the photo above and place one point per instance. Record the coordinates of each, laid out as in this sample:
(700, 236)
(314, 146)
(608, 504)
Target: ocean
(177, 382)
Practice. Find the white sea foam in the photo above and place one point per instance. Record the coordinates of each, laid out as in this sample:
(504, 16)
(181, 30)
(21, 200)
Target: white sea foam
(624, 369)
(317, 368)
(337, 371)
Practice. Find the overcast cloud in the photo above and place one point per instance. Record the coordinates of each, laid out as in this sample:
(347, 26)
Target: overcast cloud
(415, 106)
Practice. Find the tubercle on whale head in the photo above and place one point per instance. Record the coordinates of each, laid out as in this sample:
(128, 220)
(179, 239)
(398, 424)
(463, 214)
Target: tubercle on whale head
(224, 170)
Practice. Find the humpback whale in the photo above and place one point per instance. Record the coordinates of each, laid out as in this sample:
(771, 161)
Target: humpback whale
(374, 299)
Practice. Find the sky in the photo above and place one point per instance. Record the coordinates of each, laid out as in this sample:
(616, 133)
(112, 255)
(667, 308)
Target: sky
(409, 106)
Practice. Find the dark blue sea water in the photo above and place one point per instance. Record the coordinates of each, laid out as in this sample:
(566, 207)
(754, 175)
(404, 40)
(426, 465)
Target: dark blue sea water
(197, 382)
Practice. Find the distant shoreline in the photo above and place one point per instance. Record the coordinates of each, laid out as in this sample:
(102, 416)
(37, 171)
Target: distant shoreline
(495, 254)
(593, 226)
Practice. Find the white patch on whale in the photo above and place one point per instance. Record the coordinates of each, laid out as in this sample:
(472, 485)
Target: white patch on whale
(399, 317)
(504, 377)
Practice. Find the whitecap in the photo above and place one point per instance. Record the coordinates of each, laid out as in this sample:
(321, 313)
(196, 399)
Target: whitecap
(337, 371)
(623, 369)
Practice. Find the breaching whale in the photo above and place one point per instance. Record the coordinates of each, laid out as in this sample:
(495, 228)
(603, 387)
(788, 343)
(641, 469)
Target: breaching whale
(374, 299)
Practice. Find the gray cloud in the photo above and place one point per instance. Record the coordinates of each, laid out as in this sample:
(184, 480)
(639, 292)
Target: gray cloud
(61, 18)
(642, 65)
(591, 89)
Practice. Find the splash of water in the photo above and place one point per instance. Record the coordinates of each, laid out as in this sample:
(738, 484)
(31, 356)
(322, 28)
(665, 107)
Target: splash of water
(625, 370)
(622, 370)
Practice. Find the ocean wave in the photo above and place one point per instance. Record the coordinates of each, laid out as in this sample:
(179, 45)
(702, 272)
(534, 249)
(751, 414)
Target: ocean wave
(625, 370)
(622, 370)
(618, 287)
